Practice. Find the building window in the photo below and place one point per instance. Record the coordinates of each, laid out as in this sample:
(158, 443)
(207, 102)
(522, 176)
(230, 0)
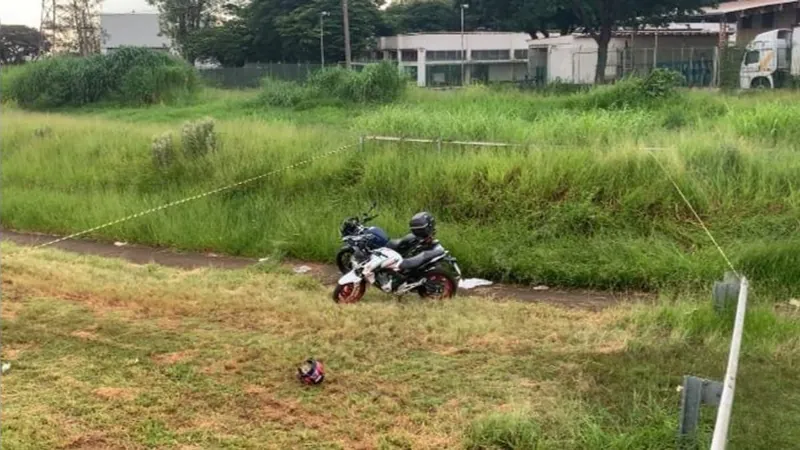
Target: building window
(521, 54)
(443, 75)
(752, 57)
(444, 55)
(768, 20)
(409, 55)
(747, 22)
(491, 55)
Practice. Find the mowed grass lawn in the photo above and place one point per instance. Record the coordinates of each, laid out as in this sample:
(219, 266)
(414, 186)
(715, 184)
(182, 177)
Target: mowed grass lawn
(106, 354)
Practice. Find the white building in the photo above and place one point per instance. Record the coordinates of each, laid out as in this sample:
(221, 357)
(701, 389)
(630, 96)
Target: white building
(436, 59)
(572, 58)
(132, 30)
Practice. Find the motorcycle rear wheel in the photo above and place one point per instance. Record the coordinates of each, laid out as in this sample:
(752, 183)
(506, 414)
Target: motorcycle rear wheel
(349, 293)
(438, 285)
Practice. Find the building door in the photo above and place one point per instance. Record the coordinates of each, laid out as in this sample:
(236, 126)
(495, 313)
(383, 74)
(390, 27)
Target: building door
(537, 68)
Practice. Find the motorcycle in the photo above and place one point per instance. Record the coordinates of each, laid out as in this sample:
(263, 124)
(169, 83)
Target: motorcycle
(423, 273)
(359, 240)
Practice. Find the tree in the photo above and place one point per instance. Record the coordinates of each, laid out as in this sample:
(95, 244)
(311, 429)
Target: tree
(530, 16)
(181, 18)
(19, 43)
(78, 23)
(419, 16)
(288, 30)
(600, 18)
(227, 43)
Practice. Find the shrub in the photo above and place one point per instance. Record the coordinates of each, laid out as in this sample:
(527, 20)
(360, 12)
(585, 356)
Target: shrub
(198, 138)
(649, 91)
(377, 83)
(163, 151)
(283, 93)
(128, 76)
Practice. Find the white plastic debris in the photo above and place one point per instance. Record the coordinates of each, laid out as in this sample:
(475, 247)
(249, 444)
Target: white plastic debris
(541, 287)
(302, 269)
(5, 367)
(472, 283)
(120, 244)
(261, 260)
(795, 302)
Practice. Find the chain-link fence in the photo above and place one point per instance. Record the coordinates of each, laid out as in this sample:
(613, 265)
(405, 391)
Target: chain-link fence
(698, 65)
(251, 76)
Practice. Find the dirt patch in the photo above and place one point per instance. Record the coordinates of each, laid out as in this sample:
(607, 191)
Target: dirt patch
(86, 335)
(93, 441)
(111, 393)
(588, 300)
(168, 359)
(12, 352)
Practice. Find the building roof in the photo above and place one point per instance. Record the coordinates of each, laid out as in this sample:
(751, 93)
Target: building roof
(132, 30)
(742, 6)
(673, 29)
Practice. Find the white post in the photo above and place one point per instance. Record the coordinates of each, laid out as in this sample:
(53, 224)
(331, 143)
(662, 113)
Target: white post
(322, 38)
(421, 68)
(729, 384)
(463, 54)
(655, 50)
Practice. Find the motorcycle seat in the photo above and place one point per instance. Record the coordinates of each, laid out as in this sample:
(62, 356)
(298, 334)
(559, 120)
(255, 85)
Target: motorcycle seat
(403, 244)
(421, 258)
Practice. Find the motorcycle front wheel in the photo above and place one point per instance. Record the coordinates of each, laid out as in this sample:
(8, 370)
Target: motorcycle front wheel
(349, 293)
(344, 260)
(438, 285)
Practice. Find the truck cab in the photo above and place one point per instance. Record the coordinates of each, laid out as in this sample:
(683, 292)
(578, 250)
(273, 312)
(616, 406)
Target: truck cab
(768, 61)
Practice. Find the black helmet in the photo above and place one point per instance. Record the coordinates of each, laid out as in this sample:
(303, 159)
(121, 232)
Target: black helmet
(423, 225)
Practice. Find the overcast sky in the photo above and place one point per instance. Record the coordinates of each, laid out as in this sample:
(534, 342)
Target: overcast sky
(28, 12)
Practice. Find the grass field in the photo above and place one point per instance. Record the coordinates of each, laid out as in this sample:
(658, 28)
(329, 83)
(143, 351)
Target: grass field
(581, 205)
(110, 355)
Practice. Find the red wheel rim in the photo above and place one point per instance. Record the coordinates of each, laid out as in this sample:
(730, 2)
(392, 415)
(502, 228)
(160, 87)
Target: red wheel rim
(350, 293)
(446, 286)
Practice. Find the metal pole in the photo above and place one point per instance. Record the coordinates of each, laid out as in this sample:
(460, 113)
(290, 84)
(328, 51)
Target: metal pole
(346, 22)
(322, 38)
(726, 402)
(463, 53)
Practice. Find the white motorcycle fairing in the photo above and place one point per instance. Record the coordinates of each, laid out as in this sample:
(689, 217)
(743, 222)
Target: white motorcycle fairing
(382, 258)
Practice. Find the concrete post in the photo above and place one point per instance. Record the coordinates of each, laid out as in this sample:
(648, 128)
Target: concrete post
(421, 66)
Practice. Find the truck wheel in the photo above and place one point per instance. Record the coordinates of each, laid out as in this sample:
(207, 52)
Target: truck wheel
(760, 83)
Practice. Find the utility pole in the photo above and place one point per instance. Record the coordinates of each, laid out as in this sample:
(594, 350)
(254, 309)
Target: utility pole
(346, 19)
(322, 37)
(48, 25)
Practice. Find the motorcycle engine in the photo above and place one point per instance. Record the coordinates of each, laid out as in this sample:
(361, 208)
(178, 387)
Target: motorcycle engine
(388, 282)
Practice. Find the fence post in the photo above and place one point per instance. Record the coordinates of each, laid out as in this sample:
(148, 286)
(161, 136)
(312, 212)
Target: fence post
(361, 143)
(720, 439)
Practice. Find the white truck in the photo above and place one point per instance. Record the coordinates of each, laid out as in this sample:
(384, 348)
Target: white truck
(772, 59)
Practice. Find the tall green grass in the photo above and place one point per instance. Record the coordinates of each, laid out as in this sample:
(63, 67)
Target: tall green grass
(375, 84)
(583, 205)
(128, 76)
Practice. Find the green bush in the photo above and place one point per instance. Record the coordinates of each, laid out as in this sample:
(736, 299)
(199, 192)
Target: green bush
(649, 91)
(377, 83)
(128, 76)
